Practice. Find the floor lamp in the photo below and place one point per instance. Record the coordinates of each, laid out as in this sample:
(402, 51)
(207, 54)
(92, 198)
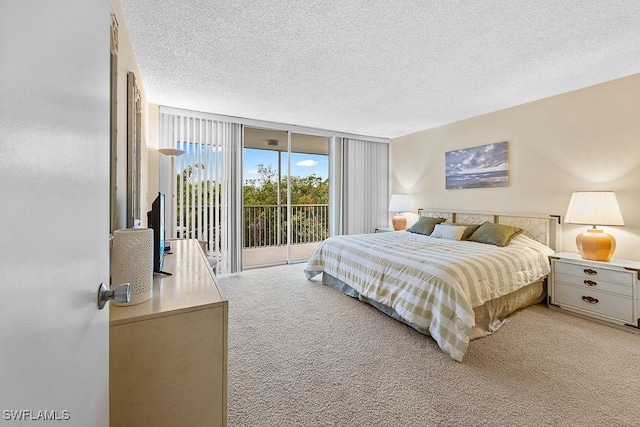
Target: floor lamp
(173, 153)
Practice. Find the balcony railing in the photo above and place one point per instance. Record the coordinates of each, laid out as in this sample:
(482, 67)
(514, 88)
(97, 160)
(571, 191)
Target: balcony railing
(266, 225)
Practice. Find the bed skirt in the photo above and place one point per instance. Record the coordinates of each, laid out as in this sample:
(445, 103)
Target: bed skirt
(489, 317)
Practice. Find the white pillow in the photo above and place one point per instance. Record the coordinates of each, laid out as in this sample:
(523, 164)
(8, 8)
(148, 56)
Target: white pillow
(451, 232)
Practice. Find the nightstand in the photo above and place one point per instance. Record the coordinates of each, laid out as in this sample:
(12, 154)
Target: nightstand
(383, 229)
(603, 290)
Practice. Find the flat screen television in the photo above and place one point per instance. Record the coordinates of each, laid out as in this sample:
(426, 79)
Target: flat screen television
(155, 221)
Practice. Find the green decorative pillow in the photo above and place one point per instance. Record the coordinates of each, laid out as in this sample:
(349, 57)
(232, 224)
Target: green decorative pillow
(495, 234)
(469, 231)
(425, 225)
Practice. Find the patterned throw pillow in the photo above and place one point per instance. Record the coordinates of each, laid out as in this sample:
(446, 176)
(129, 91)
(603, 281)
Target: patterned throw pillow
(446, 231)
(495, 234)
(425, 225)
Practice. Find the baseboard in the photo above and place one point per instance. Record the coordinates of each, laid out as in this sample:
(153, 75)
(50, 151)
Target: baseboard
(628, 328)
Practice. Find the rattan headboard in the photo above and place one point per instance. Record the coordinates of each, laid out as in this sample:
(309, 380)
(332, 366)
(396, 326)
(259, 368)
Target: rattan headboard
(541, 227)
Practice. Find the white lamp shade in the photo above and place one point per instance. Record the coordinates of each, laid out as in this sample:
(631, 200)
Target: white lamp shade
(594, 208)
(399, 203)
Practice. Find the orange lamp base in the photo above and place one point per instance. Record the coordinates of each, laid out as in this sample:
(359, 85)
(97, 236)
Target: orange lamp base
(595, 245)
(399, 222)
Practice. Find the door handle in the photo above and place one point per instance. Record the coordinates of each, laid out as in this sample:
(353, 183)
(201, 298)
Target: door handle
(121, 293)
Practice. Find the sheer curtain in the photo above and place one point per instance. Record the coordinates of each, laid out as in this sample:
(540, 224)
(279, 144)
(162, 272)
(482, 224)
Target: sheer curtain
(203, 185)
(365, 184)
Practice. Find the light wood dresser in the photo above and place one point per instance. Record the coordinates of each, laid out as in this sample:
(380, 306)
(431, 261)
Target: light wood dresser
(168, 356)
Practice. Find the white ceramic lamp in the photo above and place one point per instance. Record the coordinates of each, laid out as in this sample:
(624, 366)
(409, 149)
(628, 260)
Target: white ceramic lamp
(399, 203)
(594, 208)
(132, 262)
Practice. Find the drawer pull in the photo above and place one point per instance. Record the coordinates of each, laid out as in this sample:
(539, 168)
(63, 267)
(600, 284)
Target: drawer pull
(590, 282)
(590, 300)
(589, 271)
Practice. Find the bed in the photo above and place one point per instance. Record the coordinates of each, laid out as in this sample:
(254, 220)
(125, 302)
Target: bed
(452, 290)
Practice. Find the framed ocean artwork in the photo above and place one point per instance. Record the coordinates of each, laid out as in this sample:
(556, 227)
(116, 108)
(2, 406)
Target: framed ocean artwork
(484, 166)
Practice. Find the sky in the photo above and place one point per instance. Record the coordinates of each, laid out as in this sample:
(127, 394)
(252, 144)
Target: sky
(301, 164)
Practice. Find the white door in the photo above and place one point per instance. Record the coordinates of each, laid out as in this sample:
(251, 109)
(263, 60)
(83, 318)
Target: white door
(54, 210)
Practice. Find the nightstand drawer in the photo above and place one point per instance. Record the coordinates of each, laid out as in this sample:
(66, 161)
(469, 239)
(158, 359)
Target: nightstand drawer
(594, 273)
(594, 301)
(594, 283)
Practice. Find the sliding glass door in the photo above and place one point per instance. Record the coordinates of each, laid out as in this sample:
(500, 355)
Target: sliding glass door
(264, 197)
(285, 196)
(309, 209)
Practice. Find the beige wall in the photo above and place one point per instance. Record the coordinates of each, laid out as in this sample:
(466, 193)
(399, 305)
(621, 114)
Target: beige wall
(127, 62)
(588, 139)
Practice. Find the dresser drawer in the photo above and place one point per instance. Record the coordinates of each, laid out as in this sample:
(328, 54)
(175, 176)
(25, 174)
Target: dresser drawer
(594, 283)
(606, 304)
(595, 273)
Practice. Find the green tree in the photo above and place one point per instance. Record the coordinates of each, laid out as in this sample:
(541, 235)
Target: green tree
(193, 191)
(305, 222)
(262, 190)
(306, 190)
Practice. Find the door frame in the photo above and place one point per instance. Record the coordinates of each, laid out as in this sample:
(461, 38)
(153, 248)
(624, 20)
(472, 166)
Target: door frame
(289, 209)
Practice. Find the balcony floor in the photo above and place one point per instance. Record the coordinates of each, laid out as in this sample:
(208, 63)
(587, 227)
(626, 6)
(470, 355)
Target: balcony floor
(254, 257)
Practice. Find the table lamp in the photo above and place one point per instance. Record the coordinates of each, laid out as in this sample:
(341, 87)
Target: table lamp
(594, 208)
(399, 203)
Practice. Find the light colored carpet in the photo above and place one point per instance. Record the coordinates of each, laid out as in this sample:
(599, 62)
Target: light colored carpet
(303, 354)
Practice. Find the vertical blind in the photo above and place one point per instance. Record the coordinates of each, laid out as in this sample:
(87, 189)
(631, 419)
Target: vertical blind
(365, 185)
(204, 184)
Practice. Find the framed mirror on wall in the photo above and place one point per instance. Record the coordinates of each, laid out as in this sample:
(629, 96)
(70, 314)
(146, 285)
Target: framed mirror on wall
(134, 147)
(113, 129)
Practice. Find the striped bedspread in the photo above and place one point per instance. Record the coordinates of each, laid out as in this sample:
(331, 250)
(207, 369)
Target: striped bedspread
(431, 283)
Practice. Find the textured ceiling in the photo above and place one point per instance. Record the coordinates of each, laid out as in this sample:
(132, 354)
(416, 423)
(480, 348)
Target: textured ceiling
(378, 68)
